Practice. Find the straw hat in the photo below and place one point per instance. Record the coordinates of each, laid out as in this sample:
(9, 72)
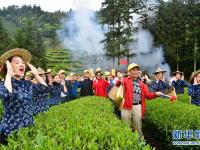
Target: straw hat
(91, 71)
(41, 71)
(62, 71)
(178, 72)
(24, 54)
(133, 65)
(107, 73)
(48, 70)
(113, 72)
(98, 69)
(86, 71)
(194, 75)
(158, 70)
(72, 73)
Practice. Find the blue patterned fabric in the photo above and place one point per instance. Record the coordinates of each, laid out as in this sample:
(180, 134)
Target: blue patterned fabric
(194, 92)
(73, 92)
(18, 105)
(55, 94)
(159, 86)
(179, 86)
(40, 100)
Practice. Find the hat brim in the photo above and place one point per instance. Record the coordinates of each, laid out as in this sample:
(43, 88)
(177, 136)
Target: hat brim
(72, 74)
(134, 67)
(86, 71)
(23, 53)
(48, 71)
(178, 72)
(159, 72)
(62, 72)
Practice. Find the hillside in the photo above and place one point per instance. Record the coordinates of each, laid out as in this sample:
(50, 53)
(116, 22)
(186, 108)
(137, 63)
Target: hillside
(61, 59)
(9, 25)
(47, 23)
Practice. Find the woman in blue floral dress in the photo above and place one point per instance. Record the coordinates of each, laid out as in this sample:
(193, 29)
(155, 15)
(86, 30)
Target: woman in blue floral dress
(194, 90)
(16, 93)
(56, 88)
(40, 98)
(178, 83)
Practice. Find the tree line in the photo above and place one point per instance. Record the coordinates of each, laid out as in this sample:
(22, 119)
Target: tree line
(174, 25)
(33, 27)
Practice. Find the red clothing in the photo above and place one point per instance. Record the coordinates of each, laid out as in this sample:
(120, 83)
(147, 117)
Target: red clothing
(100, 86)
(128, 97)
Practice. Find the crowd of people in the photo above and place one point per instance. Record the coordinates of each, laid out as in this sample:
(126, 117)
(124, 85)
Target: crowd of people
(25, 94)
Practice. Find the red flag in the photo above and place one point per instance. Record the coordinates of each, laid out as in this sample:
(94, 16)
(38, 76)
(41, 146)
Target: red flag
(123, 61)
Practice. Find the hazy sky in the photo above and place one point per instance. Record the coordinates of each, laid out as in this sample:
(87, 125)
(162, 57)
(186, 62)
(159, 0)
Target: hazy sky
(53, 5)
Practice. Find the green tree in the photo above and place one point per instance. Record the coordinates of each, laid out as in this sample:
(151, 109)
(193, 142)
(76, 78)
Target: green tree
(116, 16)
(170, 29)
(47, 22)
(29, 37)
(5, 41)
(192, 34)
(176, 27)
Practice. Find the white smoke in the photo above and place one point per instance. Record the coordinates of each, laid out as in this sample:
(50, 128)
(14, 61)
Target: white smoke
(148, 56)
(82, 34)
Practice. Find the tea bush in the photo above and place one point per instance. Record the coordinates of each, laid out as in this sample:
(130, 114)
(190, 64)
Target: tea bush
(163, 116)
(86, 123)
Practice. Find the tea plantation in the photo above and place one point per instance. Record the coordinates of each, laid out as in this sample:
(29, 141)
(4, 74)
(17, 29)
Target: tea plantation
(89, 123)
(86, 123)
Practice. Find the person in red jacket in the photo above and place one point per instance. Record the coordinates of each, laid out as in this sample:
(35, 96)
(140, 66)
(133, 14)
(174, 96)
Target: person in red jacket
(135, 92)
(100, 85)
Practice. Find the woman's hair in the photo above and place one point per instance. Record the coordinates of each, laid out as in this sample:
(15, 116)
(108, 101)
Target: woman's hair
(98, 72)
(53, 76)
(118, 71)
(10, 59)
(197, 74)
(47, 80)
(193, 76)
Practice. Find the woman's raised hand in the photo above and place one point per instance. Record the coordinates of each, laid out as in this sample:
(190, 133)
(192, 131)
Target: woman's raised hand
(32, 68)
(9, 69)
